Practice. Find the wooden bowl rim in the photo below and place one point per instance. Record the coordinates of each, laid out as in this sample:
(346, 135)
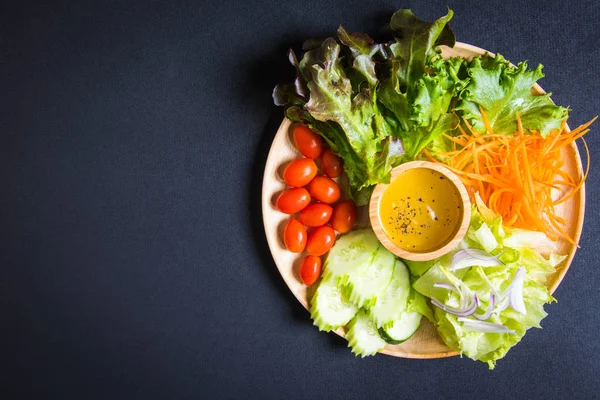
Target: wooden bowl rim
(459, 232)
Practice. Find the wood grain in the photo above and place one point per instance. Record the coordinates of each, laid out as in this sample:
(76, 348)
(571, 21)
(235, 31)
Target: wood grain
(457, 235)
(426, 342)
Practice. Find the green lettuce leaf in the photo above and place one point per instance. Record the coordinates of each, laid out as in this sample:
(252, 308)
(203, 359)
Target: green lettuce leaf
(421, 86)
(376, 104)
(414, 43)
(362, 49)
(489, 347)
(503, 91)
(332, 99)
(418, 303)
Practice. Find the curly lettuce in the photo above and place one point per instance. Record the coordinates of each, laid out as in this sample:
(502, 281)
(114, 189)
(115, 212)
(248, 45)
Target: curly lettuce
(505, 91)
(341, 92)
(378, 105)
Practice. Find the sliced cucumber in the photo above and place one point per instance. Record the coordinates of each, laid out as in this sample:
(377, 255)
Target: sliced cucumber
(369, 280)
(350, 252)
(330, 306)
(401, 329)
(392, 302)
(363, 337)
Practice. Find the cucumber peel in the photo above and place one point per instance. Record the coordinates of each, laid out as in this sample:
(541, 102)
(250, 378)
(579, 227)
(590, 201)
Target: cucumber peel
(363, 337)
(392, 302)
(330, 306)
(401, 329)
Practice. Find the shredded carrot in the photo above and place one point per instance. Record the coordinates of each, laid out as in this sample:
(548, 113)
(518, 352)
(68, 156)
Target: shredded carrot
(428, 155)
(518, 176)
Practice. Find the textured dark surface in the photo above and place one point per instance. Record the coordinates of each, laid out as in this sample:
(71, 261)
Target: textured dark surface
(133, 260)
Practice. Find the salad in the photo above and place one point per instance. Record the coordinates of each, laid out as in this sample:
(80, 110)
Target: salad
(362, 108)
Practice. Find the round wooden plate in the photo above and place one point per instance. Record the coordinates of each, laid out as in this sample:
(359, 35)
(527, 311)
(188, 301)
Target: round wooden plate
(426, 342)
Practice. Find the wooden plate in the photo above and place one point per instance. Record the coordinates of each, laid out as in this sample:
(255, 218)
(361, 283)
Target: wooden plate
(426, 342)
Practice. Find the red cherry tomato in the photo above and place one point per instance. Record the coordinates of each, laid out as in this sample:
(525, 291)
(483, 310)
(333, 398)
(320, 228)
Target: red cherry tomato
(343, 216)
(324, 189)
(310, 270)
(316, 214)
(292, 200)
(294, 236)
(332, 164)
(320, 240)
(300, 172)
(309, 143)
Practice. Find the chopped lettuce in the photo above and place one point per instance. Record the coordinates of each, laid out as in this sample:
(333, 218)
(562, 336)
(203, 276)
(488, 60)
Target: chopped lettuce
(418, 303)
(483, 282)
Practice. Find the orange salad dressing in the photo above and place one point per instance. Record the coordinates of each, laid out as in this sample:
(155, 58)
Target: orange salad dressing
(420, 210)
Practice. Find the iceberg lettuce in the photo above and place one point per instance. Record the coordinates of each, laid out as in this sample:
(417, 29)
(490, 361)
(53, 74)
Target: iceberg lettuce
(486, 282)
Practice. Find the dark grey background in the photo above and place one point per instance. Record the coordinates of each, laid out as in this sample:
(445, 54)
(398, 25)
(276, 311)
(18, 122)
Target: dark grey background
(132, 255)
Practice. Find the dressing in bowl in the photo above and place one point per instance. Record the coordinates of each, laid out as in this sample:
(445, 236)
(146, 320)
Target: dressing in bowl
(422, 213)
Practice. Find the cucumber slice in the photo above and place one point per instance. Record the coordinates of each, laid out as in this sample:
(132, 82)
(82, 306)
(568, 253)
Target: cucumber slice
(392, 302)
(330, 306)
(363, 337)
(401, 329)
(369, 280)
(350, 252)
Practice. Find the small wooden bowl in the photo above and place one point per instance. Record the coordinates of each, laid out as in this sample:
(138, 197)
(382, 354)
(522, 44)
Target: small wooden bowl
(459, 232)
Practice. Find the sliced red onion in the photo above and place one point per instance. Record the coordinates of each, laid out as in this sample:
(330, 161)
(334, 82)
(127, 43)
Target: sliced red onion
(485, 327)
(459, 312)
(516, 292)
(464, 295)
(470, 257)
(503, 304)
(490, 310)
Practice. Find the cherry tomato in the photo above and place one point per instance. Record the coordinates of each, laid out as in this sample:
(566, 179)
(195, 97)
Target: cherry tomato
(310, 270)
(343, 216)
(299, 172)
(332, 164)
(292, 200)
(320, 240)
(316, 214)
(294, 236)
(309, 143)
(324, 189)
